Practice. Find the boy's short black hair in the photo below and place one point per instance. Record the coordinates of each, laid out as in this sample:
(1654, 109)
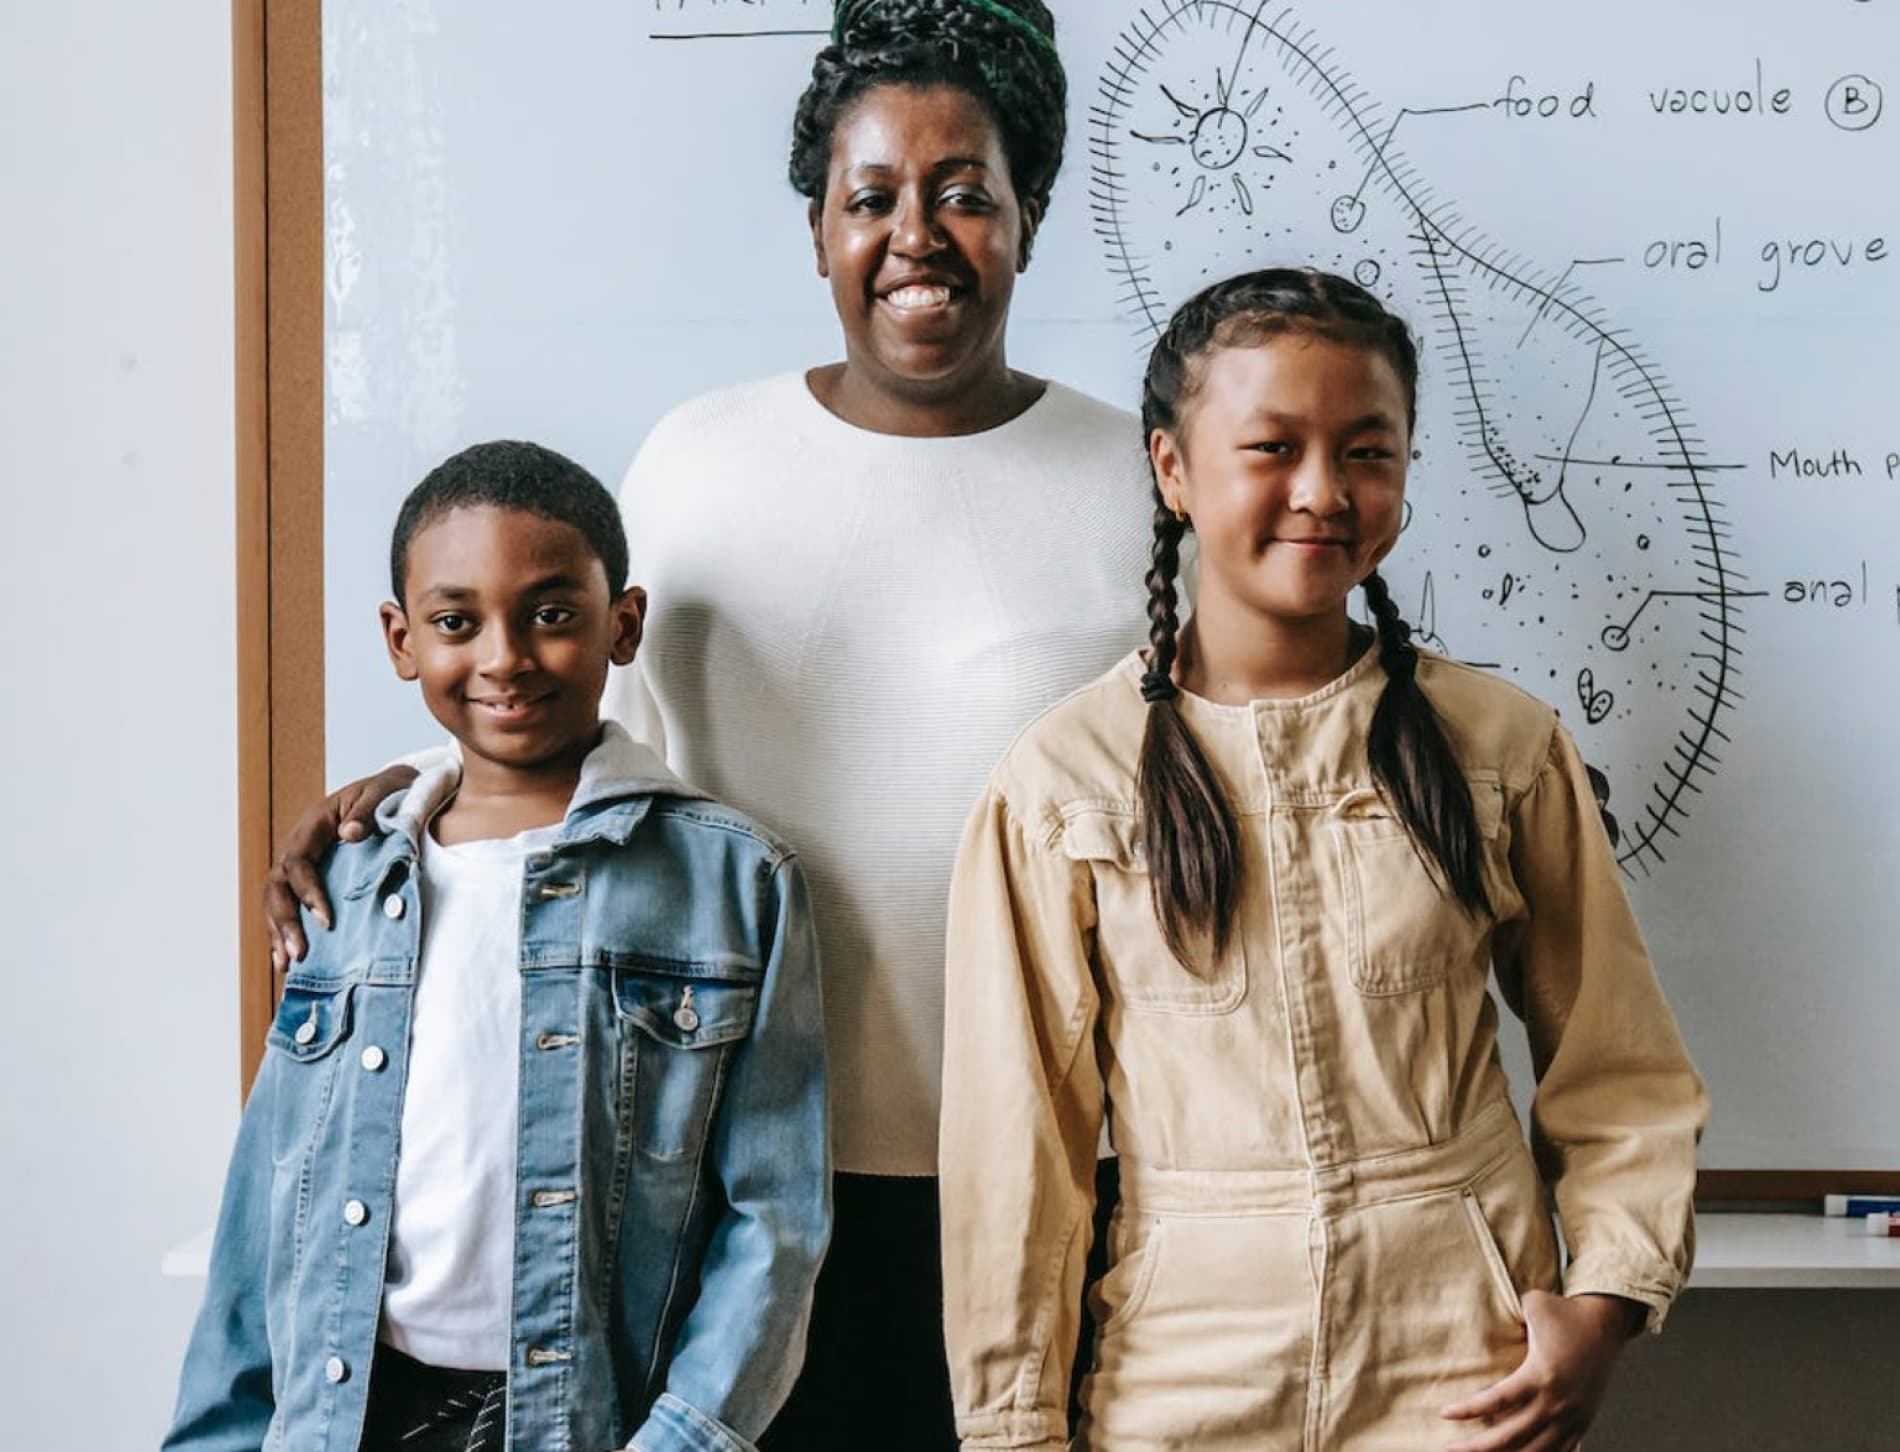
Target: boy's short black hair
(511, 474)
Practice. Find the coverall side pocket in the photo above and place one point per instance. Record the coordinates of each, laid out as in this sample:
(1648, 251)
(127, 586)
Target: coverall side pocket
(1122, 1292)
(1508, 1202)
(1493, 1257)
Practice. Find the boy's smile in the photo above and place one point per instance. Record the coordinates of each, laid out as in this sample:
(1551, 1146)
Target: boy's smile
(512, 709)
(509, 627)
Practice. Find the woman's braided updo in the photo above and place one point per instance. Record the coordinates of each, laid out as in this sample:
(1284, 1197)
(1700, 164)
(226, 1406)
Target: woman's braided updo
(1002, 52)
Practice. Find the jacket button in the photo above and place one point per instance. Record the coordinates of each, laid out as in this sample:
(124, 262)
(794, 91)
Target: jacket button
(334, 1370)
(355, 1212)
(686, 1017)
(374, 1058)
(393, 905)
(306, 1032)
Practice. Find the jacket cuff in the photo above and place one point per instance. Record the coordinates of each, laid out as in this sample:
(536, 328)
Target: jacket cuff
(677, 1426)
(1036, 1430)
(1654, 1289)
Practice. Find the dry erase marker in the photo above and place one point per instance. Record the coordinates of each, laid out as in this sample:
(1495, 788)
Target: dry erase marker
(1855, 1206)
(1885, 1224)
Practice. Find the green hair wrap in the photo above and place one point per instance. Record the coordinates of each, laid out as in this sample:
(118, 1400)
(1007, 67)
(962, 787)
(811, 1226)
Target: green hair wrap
(847, 9)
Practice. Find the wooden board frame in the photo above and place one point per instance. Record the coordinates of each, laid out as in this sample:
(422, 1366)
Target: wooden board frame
(277, 206)
(278, 99)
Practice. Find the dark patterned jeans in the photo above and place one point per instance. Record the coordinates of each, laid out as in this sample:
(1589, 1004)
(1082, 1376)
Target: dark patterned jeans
(418, 1408)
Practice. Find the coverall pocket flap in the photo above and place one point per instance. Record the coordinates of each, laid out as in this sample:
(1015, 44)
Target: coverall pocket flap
(1139, 970)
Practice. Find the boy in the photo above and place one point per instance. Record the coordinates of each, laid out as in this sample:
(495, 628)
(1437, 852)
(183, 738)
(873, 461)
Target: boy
(539, 1147)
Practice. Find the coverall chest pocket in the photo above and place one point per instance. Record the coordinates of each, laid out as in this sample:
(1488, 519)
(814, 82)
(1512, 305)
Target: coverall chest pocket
(678, 1035)
(1405, 932)
(1138, 969)
(313, 1019)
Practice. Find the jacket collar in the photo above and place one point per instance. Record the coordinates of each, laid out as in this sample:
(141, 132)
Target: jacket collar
(619, 780)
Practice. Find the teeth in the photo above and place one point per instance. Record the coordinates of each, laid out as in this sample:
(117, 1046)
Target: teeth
(918, 297)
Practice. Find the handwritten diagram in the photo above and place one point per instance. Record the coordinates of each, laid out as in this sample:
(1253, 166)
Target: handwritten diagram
(1566, 525)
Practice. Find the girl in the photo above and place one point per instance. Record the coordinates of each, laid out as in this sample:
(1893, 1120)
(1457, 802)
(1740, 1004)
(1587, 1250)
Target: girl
(853, 613)
(1240, 896)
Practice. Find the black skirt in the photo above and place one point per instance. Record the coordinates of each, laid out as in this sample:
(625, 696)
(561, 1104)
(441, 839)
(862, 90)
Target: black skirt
(875, 1373)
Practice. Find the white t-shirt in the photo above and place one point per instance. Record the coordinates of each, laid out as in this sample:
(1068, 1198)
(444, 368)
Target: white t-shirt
(449, 1287)
(846, 631)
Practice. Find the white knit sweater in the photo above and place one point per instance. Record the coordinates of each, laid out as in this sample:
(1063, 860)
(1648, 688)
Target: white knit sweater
(846, 631)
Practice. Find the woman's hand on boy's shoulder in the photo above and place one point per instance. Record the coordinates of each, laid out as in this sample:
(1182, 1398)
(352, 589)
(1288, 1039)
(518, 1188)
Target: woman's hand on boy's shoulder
(346, 815)
(1548, 1403)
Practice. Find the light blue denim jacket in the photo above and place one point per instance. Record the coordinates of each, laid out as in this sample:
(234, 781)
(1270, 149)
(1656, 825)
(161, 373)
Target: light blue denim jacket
(673, 1188)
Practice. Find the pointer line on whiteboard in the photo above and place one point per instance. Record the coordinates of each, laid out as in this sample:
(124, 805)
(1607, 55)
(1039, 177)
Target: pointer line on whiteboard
(1689, 467)
(1378, 152)
(731, 34)
(1617, 637)
(1557, 287)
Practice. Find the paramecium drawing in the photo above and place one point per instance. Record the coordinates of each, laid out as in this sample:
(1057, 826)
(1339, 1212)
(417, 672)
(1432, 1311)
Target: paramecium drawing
(1565, 526)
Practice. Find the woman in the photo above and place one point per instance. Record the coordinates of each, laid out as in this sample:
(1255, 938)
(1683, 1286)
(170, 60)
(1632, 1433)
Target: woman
(854, 610)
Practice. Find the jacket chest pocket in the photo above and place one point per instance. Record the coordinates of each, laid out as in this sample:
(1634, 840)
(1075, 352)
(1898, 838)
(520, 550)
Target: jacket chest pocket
(678, 1034)
(1404, 931)
(312, 1021)
(1138, 969)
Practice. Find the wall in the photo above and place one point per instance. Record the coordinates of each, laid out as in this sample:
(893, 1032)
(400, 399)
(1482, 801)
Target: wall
(118, 1065)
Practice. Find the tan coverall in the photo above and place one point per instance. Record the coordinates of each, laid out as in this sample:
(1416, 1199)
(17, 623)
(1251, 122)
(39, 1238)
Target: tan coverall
(1328, 1209)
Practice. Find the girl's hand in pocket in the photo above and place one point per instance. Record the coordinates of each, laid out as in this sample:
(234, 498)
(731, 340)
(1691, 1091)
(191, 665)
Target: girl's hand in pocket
(1548, 1403)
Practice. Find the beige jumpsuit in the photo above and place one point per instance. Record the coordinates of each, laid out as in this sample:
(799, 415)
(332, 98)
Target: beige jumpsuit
(1328, 1209)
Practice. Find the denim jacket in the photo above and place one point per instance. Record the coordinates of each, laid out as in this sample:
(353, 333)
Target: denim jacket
(673, 1182)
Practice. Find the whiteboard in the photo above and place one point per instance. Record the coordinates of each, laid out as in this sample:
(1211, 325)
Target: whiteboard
(1650, 251)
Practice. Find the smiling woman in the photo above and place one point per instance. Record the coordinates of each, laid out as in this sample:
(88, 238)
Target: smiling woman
(954, 151)
(852, 660)
(921, 235)
(865, 577)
